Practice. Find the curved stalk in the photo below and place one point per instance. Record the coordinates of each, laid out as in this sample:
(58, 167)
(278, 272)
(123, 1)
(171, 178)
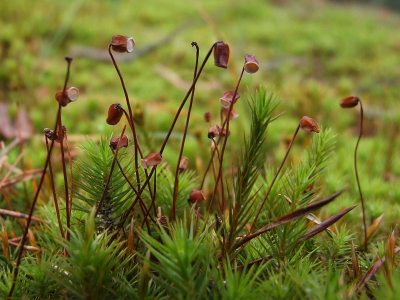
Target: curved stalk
(225, 140)
(275, 177)
(28, 222)
(357, 177)
(176, 181)
(130, 119)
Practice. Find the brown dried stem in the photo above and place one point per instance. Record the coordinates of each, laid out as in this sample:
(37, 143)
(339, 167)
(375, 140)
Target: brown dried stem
(275, 177)
(225, 140)
(53, 189)
(170, 131)
(109, 175)
(358, 179)
(16, 269)
(130, 119)
(290, 217)
(176, 181)
(189, 92)
(15, 214)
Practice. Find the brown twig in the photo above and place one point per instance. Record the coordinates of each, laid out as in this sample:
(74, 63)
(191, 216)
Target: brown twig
(275, 177)
(176, 181)
(16, 269)
(358, 179)
(53, 189)
(15, 214)
(225, 140)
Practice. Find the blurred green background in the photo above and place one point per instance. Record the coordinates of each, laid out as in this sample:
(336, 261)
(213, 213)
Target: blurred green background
(312, 53)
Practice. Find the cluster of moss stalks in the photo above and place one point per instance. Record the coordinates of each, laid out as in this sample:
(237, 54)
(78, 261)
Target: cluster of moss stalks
(128, 225)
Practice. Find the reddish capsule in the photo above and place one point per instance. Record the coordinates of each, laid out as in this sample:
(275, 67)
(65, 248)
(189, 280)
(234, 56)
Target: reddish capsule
(183, 163)
(115, 113)
(71, 94)
(308, 124)
(214, 131)
(121, 43)
(207, 117)
(153, 159)
(221, 55)
(251, 64)
(196, 196)
(349, 102)
(117, 142)
(227, 98)
(51, 135)
(233, 114)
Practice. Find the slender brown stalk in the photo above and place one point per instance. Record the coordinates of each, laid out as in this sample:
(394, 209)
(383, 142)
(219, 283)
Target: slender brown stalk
(70, 172)
(358, 179)
(28, 222)
(109, 175)
(225, 140)
(185, 98)
(141, 155)
(208, 168)
(176, 181)
(130, 119)
(139, 197)
(350, 102)
(64, 168)
(275, 177)
(170, 130)
(53, 189)
(222, 207)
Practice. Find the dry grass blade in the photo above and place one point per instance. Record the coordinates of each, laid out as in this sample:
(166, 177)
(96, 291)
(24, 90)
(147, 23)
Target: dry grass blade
(11, 169)
(25, 176)
(374, 228)
(14, 214)
(390, 262)
(290, 217)
(15, 243)
(372, 271)
(325, 224)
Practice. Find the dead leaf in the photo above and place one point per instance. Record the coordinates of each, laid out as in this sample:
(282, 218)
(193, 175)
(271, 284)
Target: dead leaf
(7, 129)
(22, 127)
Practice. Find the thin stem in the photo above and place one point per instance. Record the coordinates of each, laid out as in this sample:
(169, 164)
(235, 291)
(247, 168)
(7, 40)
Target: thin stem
(64, 170)
(131, 124)
(275, 177)
(208, 168)
(170, 130)
(222, 182)
(176, 182)
(153, 199)
(185, 98)
(103, 194)
(53, 189)
(357, 178)
(70, 172)
(142, 204)
(28, 222)
(130, 119)
(225, 139)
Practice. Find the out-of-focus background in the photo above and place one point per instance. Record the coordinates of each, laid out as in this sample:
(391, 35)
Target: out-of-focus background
(312, 53)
